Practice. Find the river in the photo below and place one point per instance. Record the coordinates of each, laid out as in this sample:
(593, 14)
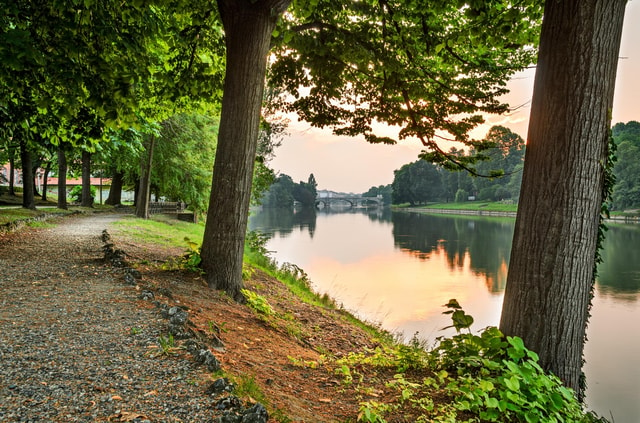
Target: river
(398, 269)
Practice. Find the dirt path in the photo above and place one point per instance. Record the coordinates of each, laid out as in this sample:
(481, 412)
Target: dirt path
(74, 344)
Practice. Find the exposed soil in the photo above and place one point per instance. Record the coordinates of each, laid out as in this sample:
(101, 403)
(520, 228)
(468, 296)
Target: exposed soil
(60, 266)
(266, 348)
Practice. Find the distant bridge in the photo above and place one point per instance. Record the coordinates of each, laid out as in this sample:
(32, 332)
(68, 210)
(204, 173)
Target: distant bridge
(353, 201)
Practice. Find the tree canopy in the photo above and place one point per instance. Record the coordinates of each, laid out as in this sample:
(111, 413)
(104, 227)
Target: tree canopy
(429, 68)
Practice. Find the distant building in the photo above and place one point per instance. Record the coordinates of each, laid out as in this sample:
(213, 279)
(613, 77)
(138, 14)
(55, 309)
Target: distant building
(103, 184)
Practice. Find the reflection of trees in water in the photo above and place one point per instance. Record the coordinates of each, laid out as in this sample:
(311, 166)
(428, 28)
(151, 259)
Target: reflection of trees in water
(375, 214)
(486, 243)
(282, 221)
(619, 272)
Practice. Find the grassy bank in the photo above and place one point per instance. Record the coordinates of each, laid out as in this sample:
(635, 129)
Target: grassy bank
(467, 206)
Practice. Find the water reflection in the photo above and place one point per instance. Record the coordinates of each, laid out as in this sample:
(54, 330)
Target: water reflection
(486, 241)
(619, 273)
(283, 221)
(399, 268)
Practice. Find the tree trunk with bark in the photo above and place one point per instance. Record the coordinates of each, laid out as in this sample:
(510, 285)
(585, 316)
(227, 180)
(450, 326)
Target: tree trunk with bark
(87, 199)
(35, 165)
(12, 171)
(144, 187)
(551, 270)
(62, 178)
(45, 176)
(115, 191)
(28, 199)
(248, 26)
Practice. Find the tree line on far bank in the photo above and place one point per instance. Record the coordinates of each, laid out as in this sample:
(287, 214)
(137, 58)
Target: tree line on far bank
(283, 193)
(422, 182)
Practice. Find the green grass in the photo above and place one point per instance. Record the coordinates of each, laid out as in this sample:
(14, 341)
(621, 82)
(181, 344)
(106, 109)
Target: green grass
(160, 229)
(8, 215)
(474, 205)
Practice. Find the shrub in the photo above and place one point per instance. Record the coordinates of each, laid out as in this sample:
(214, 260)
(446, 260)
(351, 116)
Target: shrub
(76, 193)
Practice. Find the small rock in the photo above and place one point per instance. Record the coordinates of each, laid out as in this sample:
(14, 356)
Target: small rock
(255, 414)
(146, 295)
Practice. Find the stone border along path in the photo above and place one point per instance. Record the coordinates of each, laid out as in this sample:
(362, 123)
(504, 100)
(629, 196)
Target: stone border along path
(75, 346)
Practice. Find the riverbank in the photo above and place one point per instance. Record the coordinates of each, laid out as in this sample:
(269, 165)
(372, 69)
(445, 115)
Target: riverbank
(498, 209)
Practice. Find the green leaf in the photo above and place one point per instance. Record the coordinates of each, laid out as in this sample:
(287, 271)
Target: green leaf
(492, 403)
(512, 383)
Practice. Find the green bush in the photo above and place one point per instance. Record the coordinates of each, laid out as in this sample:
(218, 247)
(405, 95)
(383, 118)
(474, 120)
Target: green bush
(76, 193)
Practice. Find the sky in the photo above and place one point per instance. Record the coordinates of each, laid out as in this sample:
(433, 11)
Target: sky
(350, 164)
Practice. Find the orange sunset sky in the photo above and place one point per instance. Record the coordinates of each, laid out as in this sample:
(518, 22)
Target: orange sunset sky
(349, 164)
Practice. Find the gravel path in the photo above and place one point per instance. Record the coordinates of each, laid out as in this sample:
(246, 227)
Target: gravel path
(76, 345)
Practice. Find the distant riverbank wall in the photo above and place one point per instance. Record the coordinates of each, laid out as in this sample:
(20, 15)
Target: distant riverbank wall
(462, 212)
(493, 213)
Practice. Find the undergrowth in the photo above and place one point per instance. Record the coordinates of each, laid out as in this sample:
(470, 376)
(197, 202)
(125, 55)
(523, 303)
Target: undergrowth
(482, 378)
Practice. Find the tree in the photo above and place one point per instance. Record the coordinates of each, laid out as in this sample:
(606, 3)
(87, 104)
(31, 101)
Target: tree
(417, 182)
(551, 271)
(62, 177)
(626, 193)
(184, 151)
(312, 186)
(629, 131)
(429, 68)
(144, 188)
(248, 26)
(501, 159)
(28, 201)
(280, 194)
(86, 197)
(121, 62)
(383, 190)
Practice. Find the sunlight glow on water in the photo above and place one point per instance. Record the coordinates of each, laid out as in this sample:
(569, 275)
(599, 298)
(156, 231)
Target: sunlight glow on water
(399, 269)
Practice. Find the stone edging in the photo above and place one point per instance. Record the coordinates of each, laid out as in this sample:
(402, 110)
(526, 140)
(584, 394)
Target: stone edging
(182, 328)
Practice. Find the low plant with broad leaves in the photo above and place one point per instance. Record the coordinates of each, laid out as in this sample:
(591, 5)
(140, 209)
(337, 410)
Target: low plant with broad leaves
(486, 377)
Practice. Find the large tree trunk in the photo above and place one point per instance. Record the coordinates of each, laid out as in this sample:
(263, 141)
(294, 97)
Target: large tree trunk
(87, 200)
(144, 187)
(248, 26)
(62, 178)
(553, 255)
(115, 191)
(28, 200)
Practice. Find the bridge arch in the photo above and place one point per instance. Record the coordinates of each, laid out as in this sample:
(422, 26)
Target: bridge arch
(353, 201)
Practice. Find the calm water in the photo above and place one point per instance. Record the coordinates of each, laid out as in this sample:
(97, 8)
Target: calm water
(399, 268)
